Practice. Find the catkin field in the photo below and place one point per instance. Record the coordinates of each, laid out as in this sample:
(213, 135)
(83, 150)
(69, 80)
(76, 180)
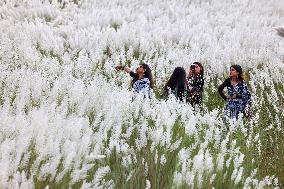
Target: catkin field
(68, 119)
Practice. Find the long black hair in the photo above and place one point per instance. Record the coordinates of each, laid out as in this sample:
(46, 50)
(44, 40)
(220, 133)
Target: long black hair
(147, 74)
(177, 82)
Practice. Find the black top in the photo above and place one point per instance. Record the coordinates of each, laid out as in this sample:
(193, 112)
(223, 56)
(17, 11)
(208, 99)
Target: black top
(227, 83)
(195, 88)
(133, 75)
(221, 87)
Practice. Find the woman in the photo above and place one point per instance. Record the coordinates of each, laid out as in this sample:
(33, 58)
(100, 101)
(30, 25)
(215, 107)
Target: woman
(177, 84)
(142, 81)
(195, 84)
(238, 96)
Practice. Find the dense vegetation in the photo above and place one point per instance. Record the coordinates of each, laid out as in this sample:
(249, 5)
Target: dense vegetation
(68, 119)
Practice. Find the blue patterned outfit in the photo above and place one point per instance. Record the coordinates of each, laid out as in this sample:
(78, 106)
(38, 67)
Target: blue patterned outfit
(240, 103)
(141, 86)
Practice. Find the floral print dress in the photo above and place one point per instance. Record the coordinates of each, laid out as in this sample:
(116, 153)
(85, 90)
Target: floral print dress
(141, 86)
(240, 103)
(195, 89)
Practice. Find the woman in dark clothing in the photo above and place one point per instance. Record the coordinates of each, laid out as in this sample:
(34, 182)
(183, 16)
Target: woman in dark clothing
(177, 84)
(142, 81)
(238, 97)
(195, 84)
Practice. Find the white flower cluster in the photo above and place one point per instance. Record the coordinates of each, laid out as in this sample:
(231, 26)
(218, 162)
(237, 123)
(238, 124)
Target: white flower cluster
(66, 116)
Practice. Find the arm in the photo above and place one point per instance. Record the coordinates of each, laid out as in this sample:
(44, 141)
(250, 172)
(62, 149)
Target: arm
(221, 88)
(120, 67)
(133, 75)
(127, 70)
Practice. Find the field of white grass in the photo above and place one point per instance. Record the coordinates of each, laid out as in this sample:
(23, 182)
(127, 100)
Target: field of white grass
(69, 120)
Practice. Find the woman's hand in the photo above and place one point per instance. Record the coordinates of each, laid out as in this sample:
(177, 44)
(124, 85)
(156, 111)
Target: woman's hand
(190, 73)
(234, 96)
(119, 67)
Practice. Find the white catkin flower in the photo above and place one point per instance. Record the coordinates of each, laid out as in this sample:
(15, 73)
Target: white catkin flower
(238, 160)
(98, 178)
(220, 162)
(178, 178)
(228, 162)
(275, 181)
(163, 159)
(212, 178)
(93, 157)
(198, 162)
(146, 168)
(175, 145)
(234, 174)
(247, 183)
(148, 184)
(208, 161)
(239, 176)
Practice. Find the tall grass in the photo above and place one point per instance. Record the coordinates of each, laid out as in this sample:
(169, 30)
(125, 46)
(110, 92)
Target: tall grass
(69, 120)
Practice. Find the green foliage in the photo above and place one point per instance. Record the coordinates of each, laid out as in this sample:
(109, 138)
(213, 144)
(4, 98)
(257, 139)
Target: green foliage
(213, 100)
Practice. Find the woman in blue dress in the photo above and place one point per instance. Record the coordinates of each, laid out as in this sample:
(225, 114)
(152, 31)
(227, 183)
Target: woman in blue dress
(238, 98)
(142, 80)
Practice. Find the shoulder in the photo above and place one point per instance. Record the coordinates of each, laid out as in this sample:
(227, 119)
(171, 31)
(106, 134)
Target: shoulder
(227, 82)
(132, 74)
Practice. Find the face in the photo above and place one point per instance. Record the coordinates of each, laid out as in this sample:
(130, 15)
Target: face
(197, 69)
(140, 69)
(233, 72)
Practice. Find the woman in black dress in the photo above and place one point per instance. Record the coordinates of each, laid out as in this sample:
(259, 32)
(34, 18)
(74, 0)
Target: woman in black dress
(195, 84)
